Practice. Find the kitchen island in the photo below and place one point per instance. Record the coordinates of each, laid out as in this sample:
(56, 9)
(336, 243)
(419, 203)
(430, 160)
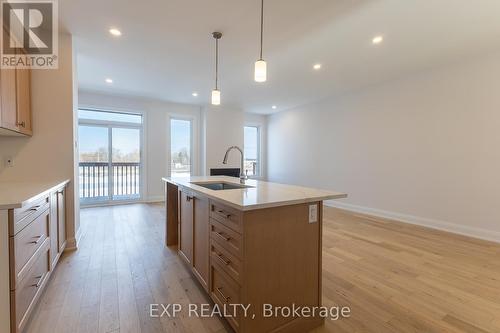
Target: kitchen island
(255, 245)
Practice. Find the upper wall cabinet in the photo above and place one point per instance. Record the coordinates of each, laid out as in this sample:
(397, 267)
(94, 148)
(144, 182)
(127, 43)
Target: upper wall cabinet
(15, 102)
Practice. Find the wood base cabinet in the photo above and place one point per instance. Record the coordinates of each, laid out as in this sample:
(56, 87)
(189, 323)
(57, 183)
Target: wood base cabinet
(194, 234)
(269, 256)
(37, 237)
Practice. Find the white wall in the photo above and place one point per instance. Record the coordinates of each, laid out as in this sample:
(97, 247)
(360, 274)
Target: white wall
(48, 154)
(222, 128)
(423, 150)
(156, 130)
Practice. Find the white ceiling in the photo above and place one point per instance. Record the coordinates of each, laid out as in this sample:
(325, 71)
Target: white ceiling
(167, 52)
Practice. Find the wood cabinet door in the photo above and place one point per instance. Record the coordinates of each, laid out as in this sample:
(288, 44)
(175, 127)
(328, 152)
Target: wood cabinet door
(53, 231)
(186, 226)
(23, 82)
(201, 250)
(61, 220)
(8, 103)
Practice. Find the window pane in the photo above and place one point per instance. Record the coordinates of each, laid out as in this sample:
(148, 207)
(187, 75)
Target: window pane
(126, 145)
(93, 143)
(110, 116)
(126, 157)
(93, 164)
(180, 147)
(251, 150)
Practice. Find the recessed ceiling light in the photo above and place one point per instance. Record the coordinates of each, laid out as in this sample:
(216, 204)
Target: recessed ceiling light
(317, 66)
(109, 81)
(115, 32)
(377, 39)
(274, 107)
(195, 94)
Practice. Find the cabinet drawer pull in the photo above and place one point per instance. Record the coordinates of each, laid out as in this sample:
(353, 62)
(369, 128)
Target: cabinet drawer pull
(21, 124)
(188, 198)
(39, 238)
(39, 282)
(221, 258)
(221, 235)
(224, 213)
(34, 208)
(226, 299)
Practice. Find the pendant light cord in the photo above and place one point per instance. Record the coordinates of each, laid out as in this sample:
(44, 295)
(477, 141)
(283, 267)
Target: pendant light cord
(216, 63)
(261, 27)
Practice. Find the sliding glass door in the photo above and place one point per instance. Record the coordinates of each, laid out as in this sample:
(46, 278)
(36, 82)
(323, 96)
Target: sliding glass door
(110, 166)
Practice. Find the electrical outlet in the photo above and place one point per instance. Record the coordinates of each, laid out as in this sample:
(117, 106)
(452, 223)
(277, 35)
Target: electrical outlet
(9, 162)
(313, 213)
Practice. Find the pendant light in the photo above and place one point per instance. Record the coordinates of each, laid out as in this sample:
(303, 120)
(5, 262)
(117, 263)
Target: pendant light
(216, 91)
(260, 65)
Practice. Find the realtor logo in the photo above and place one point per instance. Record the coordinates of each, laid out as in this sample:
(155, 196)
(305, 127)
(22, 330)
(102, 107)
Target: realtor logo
(30, 34)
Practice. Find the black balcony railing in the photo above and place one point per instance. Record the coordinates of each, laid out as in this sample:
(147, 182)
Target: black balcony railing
(98, 178)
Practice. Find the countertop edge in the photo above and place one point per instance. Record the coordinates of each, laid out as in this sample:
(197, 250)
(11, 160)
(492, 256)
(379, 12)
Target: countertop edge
(29, 200)
(289, 202)
(262, 205)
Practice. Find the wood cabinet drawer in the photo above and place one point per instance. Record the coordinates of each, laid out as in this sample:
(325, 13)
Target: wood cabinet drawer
(228, 216)
(227, 238)
(227, 262)
(26, 243)
(225, 291)
(21, 217)
(23, 299)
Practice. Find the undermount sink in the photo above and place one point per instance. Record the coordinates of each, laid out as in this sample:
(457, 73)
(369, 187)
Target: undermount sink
(222, 186)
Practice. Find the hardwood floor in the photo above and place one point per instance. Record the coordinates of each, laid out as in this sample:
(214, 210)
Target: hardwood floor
(402, 278)
(395, 278)
(120, 268)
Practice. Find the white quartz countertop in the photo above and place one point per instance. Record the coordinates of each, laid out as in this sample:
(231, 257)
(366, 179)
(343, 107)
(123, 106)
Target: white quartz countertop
(261, 194)
(21, 193)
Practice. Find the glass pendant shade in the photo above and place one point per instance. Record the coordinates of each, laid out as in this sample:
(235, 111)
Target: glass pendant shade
(260, 71)
(215, 97)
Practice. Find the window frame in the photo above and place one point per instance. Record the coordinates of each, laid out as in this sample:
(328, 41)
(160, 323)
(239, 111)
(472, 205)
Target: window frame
(258, 167)
(192, 148)
(111, 122)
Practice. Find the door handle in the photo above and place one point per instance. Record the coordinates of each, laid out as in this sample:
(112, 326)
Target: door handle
(221, 258)
(21, 124)
(34, 208)
(39, 238)
(224, 213)
(221, 235)
(226, 299)
(39, 282)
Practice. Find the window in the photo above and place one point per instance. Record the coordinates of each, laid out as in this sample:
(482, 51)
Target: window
(180, 147)
(252, 150)
(110, 146)
(106, 116)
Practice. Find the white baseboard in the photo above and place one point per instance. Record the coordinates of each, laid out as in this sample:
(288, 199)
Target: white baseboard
(484, 234)
(153, 199)
(72, 243)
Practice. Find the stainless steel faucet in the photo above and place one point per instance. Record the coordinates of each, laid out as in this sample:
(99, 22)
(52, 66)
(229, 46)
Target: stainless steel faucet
(243, 176)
